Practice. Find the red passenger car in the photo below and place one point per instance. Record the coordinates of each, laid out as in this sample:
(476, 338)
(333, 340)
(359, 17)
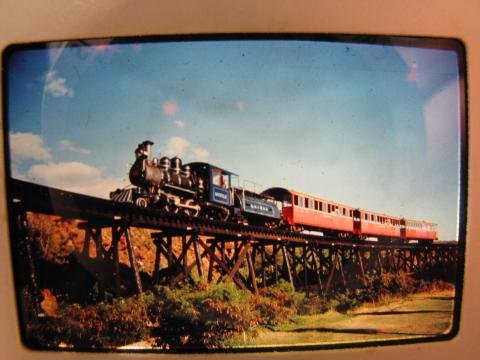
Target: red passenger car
(301, 211)
(420, 230)
(379, 225)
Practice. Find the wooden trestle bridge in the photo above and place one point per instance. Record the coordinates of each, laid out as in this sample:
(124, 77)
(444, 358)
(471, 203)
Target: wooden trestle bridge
(252, 257)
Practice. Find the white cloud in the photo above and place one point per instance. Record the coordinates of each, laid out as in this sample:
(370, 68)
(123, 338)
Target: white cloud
(69, 146)
(200, 153)
(101, 188)
(59, 174)
(56, 85)
(71, 176)
(179, 124)
(74, 176)
(28, 146)
(176, 146)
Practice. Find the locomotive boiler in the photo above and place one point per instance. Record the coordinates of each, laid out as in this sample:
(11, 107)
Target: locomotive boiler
(163, 183)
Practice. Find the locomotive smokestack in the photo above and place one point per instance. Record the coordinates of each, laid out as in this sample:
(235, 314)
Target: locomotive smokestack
(148, 149)
(144, 149)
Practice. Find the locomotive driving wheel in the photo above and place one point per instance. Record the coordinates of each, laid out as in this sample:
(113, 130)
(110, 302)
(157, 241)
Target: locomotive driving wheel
(222, 214)
(192, 208)
(214, 213)
(141, 202)
(170, 208)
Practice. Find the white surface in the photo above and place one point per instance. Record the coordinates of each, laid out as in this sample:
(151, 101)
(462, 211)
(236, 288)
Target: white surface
(24, 21)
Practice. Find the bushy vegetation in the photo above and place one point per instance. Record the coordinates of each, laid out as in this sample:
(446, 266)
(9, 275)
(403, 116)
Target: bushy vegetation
(120, 322)
(208, 316)
(193, 317)
(200, 316)
(278, 303)
(379, 286)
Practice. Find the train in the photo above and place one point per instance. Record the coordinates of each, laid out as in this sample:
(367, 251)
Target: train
(200, 189)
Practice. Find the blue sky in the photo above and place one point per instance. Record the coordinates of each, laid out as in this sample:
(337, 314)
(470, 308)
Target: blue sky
(370, 126)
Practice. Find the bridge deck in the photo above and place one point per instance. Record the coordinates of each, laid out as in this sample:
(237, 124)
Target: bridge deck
(43, 199)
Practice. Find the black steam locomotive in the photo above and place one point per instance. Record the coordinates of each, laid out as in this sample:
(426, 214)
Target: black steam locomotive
(194, 189)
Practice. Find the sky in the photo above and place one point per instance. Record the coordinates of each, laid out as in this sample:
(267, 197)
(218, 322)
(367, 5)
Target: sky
(369, 126)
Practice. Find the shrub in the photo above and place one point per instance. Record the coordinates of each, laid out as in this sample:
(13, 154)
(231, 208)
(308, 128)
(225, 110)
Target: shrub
(278, 303)
(396, 284)
(346, 301)
(436, 285)
(101, 325)
(124, 321)
(173, 315)
(387, 284)
(313, 305)
(200, 317)
(270, 311)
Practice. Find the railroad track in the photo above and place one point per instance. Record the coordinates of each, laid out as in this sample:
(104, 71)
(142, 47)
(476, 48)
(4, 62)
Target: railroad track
(102, 212)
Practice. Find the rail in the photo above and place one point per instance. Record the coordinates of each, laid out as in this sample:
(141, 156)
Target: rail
(47, 200)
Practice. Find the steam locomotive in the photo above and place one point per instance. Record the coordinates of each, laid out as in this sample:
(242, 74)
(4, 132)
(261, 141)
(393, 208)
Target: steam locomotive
(205, 190)
(194, 189)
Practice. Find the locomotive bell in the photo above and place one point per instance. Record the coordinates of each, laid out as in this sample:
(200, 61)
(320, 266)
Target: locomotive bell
(176, 164)
(165, 163)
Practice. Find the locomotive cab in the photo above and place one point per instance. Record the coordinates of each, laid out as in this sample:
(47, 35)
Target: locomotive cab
(220, 186)
(217, 183)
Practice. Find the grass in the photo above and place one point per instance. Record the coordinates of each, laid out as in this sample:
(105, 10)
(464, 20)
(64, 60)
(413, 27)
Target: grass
(418, 315)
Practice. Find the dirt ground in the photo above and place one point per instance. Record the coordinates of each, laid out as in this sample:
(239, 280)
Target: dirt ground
(418, 315)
